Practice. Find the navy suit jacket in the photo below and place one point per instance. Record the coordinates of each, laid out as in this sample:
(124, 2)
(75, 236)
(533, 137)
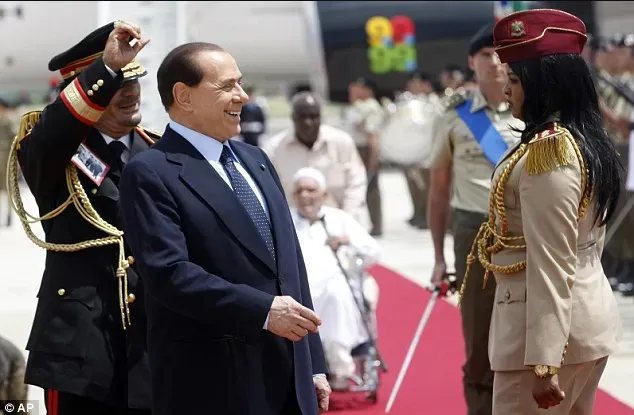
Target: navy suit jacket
(210, 282)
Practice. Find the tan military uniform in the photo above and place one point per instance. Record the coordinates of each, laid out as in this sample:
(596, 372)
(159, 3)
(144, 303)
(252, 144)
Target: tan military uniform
(456, 147)
(553, 304)
(363, 118)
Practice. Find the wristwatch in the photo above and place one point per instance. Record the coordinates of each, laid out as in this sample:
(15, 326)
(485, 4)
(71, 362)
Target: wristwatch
(543, 371)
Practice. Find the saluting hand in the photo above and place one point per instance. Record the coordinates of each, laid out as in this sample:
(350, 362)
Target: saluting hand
(547, 393)
(291, 320)
(118, 52)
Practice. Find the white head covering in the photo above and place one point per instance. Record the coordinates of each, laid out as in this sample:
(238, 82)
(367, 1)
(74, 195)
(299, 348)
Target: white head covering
(310, 173)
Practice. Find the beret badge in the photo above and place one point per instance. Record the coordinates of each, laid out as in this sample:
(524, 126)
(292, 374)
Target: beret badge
(517, 29)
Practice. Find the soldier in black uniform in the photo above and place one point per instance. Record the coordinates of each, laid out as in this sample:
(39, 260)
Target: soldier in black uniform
(88, 340)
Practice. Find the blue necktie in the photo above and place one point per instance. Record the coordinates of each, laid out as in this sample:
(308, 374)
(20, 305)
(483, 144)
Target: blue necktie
(249, 200)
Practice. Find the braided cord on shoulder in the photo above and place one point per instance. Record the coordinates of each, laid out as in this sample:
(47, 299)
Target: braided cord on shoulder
(491, 239)
(78, 198)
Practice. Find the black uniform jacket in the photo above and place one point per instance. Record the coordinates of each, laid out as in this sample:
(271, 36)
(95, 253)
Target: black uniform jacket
(77, 343)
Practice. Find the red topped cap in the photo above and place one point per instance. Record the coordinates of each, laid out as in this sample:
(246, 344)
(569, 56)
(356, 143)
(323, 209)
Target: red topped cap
(530, 34)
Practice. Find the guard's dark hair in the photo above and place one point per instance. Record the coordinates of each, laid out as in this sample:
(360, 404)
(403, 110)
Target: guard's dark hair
(562, 84)
(454, 69)
(180, 65)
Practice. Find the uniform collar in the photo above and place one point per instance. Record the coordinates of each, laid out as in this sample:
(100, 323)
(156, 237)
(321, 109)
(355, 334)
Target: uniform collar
(126, 140)
(479, 102)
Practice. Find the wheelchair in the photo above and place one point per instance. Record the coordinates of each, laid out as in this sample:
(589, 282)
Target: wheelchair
(369, 363)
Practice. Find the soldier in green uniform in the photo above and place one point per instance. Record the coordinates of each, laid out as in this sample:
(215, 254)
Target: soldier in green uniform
(465, 152)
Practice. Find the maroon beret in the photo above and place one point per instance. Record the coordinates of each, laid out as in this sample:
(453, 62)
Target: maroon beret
(530, 34)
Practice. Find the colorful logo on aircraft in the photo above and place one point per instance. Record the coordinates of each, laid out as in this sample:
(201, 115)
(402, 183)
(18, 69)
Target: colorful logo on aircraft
(392, 44)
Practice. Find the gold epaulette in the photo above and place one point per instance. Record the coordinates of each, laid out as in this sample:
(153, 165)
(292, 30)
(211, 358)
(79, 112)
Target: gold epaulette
(148, 135)
(456, 98)
(27, 122)
(548, 150)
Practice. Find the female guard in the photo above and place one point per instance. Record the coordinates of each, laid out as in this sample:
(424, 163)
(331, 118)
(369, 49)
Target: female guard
(555, 319)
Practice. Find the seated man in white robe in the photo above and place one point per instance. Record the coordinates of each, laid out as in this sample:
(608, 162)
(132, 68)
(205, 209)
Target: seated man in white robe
(322, 231)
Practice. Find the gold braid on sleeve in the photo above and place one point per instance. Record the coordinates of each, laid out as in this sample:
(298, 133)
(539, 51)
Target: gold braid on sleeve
(547, 150)
(76, 196)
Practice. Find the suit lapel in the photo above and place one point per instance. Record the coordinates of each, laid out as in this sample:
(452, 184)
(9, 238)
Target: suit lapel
(138, 144)
(276, 204)
(203, 180)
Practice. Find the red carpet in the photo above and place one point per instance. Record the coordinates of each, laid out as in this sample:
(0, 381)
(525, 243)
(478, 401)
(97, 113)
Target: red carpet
(433, 383)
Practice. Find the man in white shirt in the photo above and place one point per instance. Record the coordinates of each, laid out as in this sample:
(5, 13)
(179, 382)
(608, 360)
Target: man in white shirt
(311, 143)
(326, 234)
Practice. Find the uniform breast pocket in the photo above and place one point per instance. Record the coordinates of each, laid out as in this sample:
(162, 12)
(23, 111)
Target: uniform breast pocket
(63, 323)
(105, 199)
(108, 190)
(509, 315)
(466, 158)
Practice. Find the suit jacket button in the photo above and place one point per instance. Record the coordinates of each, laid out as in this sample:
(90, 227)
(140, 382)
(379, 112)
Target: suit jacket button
(61, 291)
(131, 298)
(131, 260)
(100, 82)
(93, 191)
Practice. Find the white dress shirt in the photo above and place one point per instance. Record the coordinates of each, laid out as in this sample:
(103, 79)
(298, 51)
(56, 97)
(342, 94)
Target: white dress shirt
(211, 149)
(126, 140)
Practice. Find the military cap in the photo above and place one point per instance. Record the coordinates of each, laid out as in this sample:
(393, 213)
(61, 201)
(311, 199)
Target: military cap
(482, 39)
(79, 57)
(530, 34)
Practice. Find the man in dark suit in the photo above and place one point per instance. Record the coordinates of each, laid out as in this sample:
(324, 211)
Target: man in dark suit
(88, 341)
(230, 319)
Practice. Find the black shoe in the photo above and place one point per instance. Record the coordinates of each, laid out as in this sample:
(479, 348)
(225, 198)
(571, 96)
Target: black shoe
(376, 233)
